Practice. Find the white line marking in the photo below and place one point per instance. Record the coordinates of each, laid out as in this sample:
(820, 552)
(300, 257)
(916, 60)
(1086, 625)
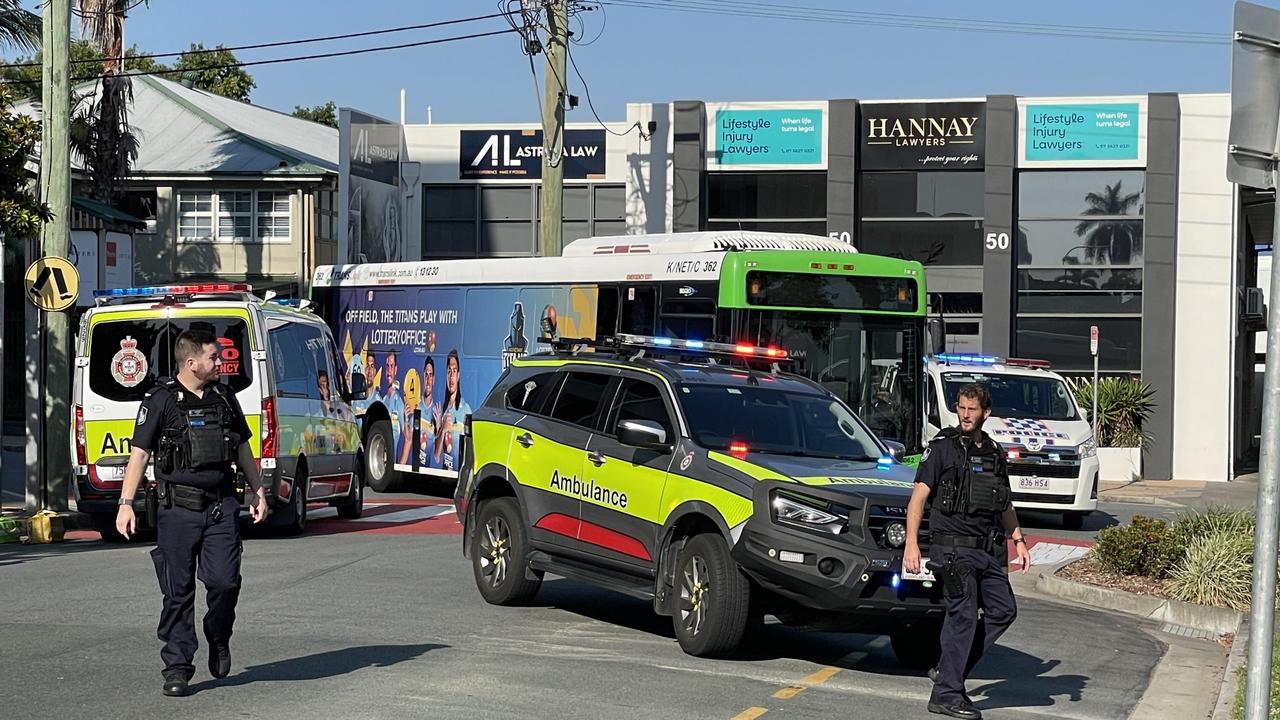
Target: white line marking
(410, 515)
(330, 511)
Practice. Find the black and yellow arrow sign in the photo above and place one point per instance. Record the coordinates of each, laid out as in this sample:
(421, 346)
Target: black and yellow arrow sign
(52, 284)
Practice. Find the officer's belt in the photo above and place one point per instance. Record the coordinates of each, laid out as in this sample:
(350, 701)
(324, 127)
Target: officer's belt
(986, 543)
(194, 498)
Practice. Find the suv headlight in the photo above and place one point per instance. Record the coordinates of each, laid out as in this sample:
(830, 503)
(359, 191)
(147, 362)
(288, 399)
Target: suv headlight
(793, 510)
(1088, 449)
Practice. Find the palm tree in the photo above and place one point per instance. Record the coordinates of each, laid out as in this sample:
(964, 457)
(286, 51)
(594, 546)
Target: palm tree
(19, 27)
(100, 130)
(1111, 241)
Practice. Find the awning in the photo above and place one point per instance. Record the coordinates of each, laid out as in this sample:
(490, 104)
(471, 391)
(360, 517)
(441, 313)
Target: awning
(105, 212)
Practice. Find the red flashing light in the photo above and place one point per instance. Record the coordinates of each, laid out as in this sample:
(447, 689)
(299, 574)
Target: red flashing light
(1026, 362)
(81, 451)
(270, 430)
(738, 449)
(1014, 454)
(774, 352)
(744, 349)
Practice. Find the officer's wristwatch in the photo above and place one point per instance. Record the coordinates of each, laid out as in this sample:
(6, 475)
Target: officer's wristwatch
(125, 501)
(1022, 540)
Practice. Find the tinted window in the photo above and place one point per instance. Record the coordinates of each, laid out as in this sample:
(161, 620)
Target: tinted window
(639, 305)
(114, 375)
(530, 395)
(580, 398)
(640, 400)
(297, 354)
(1074, 193)
(1079, 242)
(923, 194)
(775, 195)
(935, 242)
(844, 292)
(1064, 341)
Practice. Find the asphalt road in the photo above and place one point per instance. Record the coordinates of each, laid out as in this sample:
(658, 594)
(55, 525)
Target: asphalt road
(368, 624)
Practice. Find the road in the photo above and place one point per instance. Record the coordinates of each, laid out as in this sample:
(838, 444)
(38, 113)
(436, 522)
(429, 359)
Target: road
(380, 618)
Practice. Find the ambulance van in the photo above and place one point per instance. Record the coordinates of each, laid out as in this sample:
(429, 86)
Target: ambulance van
(279, 360)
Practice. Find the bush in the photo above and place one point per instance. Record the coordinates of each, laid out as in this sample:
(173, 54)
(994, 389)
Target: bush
(1147, 546)
(1217, 569)
(1123, 406)
(1192, 525)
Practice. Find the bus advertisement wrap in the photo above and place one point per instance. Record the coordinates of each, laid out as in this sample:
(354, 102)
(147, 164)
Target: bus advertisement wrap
(427, 372)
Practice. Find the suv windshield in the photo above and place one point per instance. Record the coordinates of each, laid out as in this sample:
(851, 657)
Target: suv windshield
(1017, 396)
(115, 347)
(775, 421)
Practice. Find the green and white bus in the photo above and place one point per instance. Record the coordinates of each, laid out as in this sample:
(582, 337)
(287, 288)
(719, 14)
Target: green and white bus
(431, 337)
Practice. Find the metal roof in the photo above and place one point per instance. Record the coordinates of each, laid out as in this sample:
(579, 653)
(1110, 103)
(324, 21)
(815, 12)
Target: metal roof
(185, 131)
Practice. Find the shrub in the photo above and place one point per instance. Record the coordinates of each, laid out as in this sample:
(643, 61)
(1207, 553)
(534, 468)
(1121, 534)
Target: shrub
(1123, 406)
(1217, 569)
(1192, 525)
(1144, 547)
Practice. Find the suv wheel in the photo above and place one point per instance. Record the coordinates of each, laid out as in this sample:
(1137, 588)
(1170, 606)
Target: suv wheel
(377, 464)
(713, 599)
(500, 555)
(917, 645)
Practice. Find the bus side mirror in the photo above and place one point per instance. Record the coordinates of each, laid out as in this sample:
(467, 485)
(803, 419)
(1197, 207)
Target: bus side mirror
(936, 329)
(359, 391)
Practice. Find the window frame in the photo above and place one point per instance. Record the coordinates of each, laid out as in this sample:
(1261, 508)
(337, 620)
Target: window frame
(606, 398)
(217, 213)
(615, 407)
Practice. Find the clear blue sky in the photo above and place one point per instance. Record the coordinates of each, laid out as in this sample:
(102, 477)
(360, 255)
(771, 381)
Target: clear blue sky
(655, 54)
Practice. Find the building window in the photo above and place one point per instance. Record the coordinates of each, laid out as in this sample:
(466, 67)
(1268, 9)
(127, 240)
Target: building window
(932, 217)
(1079, 251)
(233, 216)
(768, 201)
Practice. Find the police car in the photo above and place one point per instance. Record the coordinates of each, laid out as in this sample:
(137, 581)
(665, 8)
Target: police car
(279, 360)
(700, 477)
(1053, 458)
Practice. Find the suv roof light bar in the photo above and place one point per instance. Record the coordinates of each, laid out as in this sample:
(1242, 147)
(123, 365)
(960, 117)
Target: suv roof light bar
(236, 290)
(973, 359)
(702, 346)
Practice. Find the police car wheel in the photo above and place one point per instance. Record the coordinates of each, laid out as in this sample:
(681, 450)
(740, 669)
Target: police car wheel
(500, 555)
(918, 645)
(377, 468)
(712, 598)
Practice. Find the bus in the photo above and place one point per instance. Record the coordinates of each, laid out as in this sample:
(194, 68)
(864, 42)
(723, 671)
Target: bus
(430, 338)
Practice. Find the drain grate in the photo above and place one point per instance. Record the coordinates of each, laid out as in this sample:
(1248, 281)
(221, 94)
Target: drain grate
(1187, 632)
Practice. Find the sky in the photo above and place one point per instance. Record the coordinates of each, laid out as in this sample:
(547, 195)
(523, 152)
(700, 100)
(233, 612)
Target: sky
(652, 51)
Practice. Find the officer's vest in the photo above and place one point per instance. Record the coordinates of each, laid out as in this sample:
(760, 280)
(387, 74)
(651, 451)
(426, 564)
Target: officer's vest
(208, 438)
(976, 488)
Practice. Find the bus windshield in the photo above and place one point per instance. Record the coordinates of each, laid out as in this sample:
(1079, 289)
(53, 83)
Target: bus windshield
(1017, 396)
(850, 355)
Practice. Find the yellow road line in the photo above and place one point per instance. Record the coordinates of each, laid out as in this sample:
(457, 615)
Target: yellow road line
(815, 678)
(750, 714)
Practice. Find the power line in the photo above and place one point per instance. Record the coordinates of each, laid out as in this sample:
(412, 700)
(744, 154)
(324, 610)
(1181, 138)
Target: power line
(587, 92)
(279, 43)
(296, 58)
(773, 12)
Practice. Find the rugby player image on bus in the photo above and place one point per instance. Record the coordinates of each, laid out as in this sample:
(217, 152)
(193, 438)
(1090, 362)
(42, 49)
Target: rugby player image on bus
(456, 411)
(429, 419)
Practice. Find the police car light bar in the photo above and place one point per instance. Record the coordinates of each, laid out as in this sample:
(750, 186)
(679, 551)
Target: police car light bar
(701, 346)
(970, 359)
(152, 291)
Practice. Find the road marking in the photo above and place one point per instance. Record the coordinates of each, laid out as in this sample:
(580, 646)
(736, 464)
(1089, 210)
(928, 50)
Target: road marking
(328, 512)
(750, 713)
(815, 678)
(418, 513)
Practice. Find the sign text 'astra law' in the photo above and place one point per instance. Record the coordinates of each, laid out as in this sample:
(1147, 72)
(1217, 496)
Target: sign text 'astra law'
(518, 154)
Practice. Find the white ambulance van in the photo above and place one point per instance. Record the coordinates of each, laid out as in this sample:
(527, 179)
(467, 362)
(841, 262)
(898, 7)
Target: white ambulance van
(281, 363)
(1053, 458)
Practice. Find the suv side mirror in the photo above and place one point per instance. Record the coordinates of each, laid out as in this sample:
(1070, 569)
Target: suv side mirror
(359, 391)
(896, 449)
(642, 434)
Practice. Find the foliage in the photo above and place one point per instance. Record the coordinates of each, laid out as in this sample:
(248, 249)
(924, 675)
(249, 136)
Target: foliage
(204, 70)
(1237, 709)
(326, 114)
(1144, 547)
(1111, 242)
(1124, 405)
(1192, 525)
(18, 26)
(20, 212)
(1217, 569)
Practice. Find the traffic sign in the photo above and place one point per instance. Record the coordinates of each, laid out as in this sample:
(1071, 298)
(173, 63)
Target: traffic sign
(52, 284)
(1093, 339)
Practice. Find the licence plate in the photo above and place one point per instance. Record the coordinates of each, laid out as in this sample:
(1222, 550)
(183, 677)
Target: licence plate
(924, 574)
(1033, 483)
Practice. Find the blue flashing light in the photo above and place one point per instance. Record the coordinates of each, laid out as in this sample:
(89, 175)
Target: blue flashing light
(885, 460)
(154, 290)
(967, 358)
(896, 581)
(663, 341)
(693, 344)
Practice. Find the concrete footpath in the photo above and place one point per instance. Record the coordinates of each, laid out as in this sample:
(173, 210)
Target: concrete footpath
(1188, 494)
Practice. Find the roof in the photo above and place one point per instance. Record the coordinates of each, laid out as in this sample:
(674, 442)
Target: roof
(713, 241)
(105, 212)
(185, 131)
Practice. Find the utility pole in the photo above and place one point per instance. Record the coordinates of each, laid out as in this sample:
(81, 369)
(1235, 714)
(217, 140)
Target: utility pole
(55, 238)
(553, 104)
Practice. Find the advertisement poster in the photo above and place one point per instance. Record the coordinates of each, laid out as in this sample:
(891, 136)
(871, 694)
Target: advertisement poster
(510, 154)
(768, 137)
(369, 189)
(1082, 132)
(430, 355)
(923, 136)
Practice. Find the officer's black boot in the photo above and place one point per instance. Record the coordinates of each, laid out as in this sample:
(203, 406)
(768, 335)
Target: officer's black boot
(964, 711)
(219, 660)
(175, 687)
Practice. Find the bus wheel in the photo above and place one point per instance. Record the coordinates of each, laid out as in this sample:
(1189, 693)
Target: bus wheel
(377, 459)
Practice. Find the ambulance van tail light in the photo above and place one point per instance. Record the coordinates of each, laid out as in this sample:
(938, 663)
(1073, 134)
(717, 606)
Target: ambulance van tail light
(269, 428)
(81, 443)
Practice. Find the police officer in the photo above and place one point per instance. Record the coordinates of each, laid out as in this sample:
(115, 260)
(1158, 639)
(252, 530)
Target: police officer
(193, 425)
(964, 477)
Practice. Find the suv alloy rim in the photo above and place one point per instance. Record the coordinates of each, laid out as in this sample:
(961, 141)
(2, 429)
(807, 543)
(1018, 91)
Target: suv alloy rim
(694, 590)
(495, 546)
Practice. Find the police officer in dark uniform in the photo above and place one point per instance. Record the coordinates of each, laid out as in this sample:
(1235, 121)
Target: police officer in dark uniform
(964, 477)
(194, 427)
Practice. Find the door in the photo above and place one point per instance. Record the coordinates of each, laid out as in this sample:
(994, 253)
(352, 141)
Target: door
(622, 517)
(548, 453)
(299, 358)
